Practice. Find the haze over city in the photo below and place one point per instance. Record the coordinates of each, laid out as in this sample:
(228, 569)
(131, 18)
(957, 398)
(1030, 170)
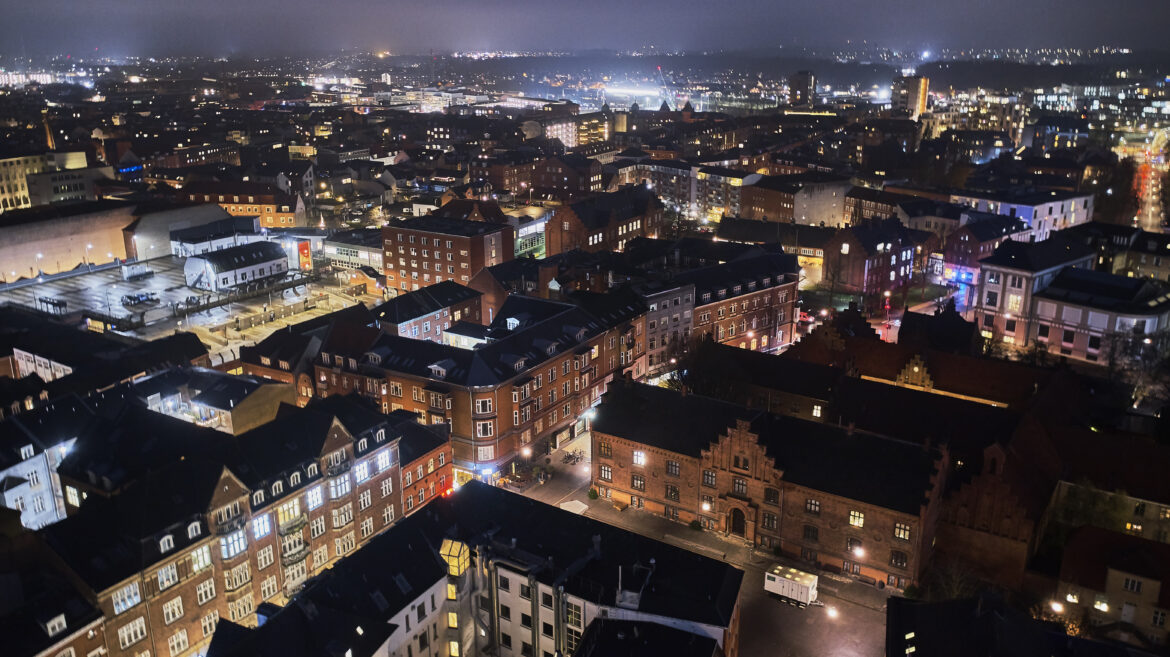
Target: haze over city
(223, 27)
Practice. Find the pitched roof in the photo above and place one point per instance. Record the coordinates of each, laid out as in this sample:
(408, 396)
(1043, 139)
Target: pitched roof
(244, 255)
(602, 210)
(423, 301)
(1109, 292)
(1091, 552)
(835, 460)
(1038, 256)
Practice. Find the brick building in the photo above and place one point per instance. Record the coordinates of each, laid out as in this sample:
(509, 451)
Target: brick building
(509, 171)
(273, 208)
(427, 312)
(575, 174)
(749, 303)
(419, 252)
(876, 256)
(604, 222)
(531, 380)
(206, 529)
(844, 500)
(814, 198)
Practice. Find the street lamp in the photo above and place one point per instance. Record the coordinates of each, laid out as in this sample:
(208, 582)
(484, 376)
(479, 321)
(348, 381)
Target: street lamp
(87, 262)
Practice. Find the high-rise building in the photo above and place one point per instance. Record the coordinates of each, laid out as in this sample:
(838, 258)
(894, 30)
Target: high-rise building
(909, 93)
(802, 88)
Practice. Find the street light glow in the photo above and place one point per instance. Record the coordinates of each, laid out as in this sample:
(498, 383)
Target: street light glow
(832, 611)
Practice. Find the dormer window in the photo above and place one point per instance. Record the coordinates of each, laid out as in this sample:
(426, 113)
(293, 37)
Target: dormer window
(380, 436)
(312, 469)
(166, 544)
(438, 371)
(55, 625)
(551, 349)
(265, 361)
(277, 488)
(258, 497)
(362, 445)
(294, 479)
(193, 530)
(324, 358)
(512, 323)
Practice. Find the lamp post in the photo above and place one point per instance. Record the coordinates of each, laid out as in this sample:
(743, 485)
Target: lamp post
(87, 262)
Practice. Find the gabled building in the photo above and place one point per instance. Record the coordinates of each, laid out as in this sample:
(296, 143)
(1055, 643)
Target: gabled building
(210, 528)
(738, 471)
(531, 382)
(427, 312)
(750, 303)
(1012, 275)
(257, 263)
(604, 222)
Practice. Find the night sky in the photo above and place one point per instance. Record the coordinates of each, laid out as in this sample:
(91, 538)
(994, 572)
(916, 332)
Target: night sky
(121, 27)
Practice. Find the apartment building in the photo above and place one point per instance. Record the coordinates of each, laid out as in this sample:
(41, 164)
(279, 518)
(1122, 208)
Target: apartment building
(975, 240)
(425, 313)
(521, 596)
(669, 322)
(738, 471)
(573, 174)
(1098, 316)
(426, 250)
(274, 208)
(16, 168)
(231, 524)
(1116, 584)
(1045, 212)
(604, 222)
(812, 199)
(530, 382)
(507, 171)
(748, 303)
(1004, 306)
(875, 257)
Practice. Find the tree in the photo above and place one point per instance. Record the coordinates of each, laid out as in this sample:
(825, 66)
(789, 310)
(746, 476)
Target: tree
(1083, 504)
(1117, 197)
(703, 370)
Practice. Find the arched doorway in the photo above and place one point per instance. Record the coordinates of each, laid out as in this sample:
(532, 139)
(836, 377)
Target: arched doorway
(737, 522)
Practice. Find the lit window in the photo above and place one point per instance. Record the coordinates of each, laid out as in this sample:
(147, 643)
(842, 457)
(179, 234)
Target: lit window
(856, 519)
(639, 458)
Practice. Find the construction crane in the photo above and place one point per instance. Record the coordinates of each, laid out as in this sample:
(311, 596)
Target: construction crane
(666, 94)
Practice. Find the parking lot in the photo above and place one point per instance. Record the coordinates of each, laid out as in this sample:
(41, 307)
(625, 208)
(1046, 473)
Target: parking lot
(103, 291)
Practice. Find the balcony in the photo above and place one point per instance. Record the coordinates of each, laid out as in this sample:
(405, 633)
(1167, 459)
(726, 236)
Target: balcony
(337, 468)
(299, 554)
(293, 525)
(230, 525)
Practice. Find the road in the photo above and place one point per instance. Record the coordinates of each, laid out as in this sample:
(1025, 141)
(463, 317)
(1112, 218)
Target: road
(768, 628)
(1151, 168)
